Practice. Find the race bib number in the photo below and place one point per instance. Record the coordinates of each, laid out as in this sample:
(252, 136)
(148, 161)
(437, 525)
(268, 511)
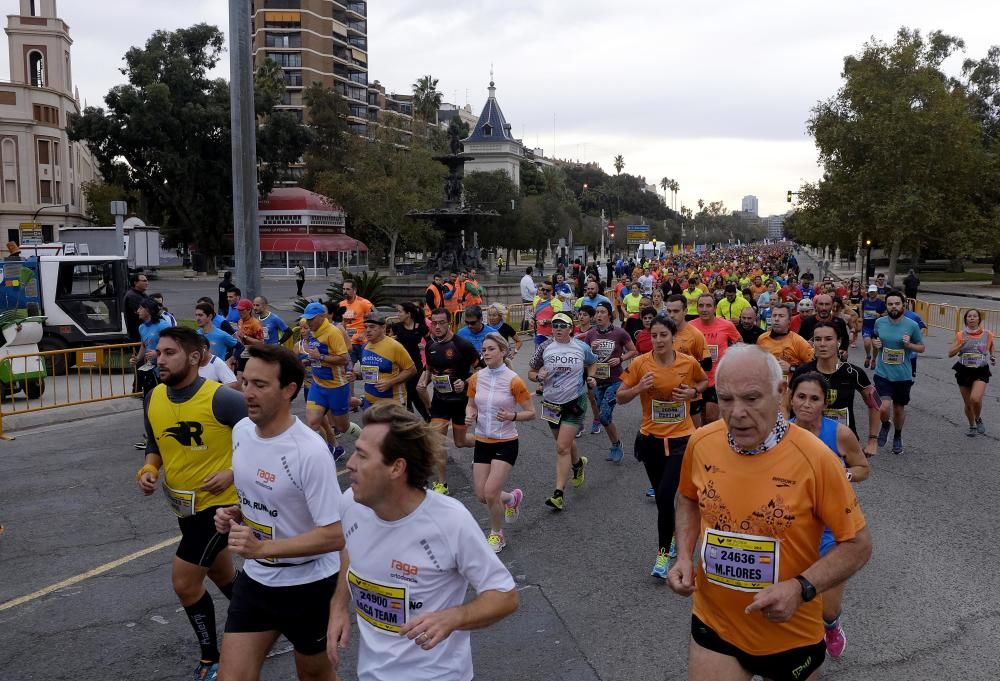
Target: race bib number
(743, 562)
(893, 357)
(369, 374)
(181, 501)
(551, 412)
(871, 314)
(668, 412)
(713, 350)
(842, 416)
(262, 533)
(351, 332)
(602, 370)
(972, 359)
(442, 383)
(384, 606)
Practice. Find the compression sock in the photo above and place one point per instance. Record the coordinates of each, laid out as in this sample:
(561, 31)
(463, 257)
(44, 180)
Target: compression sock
(202, 618)
(897, 433)
(833, 624)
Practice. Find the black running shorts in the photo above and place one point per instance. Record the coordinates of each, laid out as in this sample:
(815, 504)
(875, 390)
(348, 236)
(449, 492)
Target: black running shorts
(487, 452)
(200, 543)
(300, 612)
(789, 665)
(449, 409)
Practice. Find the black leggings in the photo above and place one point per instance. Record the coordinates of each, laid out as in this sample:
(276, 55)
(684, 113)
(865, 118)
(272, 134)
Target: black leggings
(664, 474)
(413, 401)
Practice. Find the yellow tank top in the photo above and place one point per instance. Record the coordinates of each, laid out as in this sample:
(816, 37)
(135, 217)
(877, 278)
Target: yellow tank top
(192, 444)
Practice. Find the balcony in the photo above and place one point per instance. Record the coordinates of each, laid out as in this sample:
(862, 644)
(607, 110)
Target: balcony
(359, 8)
(359, 27)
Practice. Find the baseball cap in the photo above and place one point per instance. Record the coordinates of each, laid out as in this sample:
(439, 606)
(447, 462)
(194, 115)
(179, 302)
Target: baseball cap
(805, 304)
(375, 318)
(244, 304)
(314, 310)
(872, 287)
(562, 317)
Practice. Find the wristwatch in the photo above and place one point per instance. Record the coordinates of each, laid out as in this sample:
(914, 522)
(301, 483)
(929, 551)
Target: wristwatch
(808, 590)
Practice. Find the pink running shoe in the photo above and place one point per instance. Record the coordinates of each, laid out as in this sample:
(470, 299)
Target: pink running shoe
(835, 641)
(512, 510)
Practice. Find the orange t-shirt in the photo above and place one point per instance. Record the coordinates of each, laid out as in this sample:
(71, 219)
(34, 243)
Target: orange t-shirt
(690, 341)
(671, 419)
(251, 328)
(791, 348)
(777, 503)
(354, 318)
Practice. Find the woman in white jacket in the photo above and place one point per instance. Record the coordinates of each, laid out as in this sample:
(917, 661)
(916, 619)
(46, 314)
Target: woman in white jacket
(498, 398)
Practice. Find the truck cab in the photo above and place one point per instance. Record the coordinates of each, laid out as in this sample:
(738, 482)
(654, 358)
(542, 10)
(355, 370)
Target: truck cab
(81, 297)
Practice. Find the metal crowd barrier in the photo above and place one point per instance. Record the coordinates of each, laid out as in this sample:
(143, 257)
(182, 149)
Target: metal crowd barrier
(39, 381)
(952, 317)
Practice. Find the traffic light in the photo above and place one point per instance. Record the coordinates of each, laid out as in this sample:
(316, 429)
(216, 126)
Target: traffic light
(611, 231)
(789, 196)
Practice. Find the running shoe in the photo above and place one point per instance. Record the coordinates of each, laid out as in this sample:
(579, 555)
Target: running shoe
(650, 493)
(673, 548)
(337, 452)
(140, 445)
(883, 434)
(580, 472)
(980, 427)
(835, 641)
(897, 445)
(512, 509)
(595, 428)
(497, 541)
(353, 429)
(440, 487)
(616, 453)
(971, 432)
(661, 564)
(556, 502)
(206, 671)
(579, 431)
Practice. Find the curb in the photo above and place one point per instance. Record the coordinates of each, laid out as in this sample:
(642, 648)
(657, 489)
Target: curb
(981, 296)
(12, 423)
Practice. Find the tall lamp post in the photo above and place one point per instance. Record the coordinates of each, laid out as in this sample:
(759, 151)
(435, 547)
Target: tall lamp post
(868, 259)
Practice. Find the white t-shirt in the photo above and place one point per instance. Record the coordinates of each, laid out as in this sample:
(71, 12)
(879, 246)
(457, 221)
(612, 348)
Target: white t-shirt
(287, 486)
(528, 289)
(218, 371)
(424, 562)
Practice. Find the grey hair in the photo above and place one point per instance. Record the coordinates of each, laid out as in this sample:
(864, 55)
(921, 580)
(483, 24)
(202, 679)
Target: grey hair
(743, 352)
(499, 308)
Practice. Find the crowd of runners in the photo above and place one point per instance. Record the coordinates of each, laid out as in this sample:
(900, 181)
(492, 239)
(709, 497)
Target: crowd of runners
(754, 427)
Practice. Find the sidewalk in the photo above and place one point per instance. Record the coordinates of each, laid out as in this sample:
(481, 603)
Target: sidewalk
(967, 289)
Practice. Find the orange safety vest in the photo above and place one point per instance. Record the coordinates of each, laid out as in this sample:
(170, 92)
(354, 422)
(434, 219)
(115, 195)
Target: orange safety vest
(454, 304)
(437, 299)
(470, 298)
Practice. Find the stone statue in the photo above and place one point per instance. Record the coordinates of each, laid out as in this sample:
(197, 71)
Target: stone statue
(454, 136)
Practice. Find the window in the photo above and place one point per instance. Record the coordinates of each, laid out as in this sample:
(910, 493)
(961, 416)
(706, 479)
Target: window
(46, 114)
(282, 40)
(488, 130)
(43, 152)
(36, 69)
(285, 59)
(8, 151)
(48, 234)
(88, 294)
(293, 78)
(45, 191)
(31, 8)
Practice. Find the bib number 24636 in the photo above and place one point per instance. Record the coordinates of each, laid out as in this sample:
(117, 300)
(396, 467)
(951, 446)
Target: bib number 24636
(743, 562)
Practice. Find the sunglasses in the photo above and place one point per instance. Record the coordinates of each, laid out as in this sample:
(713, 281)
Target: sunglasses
(545, 290)
(560, 325)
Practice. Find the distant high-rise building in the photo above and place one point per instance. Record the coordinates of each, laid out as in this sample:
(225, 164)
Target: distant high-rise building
(323, 41)
(775, 226)
(749, 205)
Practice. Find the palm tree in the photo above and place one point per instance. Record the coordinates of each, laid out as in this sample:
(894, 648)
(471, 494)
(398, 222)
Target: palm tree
(665, 184)
(426, 99)
(619, 164)
(674, 187)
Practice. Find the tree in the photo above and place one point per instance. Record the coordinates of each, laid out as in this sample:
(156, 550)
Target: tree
(665, 184)
(326, 112)
(382, 184)
(495, 191)
(98, 197)
(166, 134)
(619, 164)
(901, 152)
(426, 99)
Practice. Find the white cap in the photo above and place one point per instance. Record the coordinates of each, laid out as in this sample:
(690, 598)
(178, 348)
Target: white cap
(872, 287)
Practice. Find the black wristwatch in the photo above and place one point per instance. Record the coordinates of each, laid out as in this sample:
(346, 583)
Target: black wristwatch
(808, 590)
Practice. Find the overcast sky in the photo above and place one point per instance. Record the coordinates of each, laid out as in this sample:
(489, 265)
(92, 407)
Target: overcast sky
(712, 94)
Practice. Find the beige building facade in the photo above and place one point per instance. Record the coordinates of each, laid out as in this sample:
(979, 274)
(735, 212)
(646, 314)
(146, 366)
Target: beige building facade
(40, 169)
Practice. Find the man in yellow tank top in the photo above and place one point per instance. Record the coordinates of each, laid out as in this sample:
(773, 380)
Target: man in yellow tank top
(189, 423)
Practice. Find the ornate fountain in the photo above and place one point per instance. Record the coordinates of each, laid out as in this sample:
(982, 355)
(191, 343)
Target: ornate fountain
(454, 218)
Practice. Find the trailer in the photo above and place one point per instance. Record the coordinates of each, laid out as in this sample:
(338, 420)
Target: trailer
(141, 247)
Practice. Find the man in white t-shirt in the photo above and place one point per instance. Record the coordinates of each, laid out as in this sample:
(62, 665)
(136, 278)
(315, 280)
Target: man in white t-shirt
(528, 288)
(411, 555)
(214, 369)
(287, 526)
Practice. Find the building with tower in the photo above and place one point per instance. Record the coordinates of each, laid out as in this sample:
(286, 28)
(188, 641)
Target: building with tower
(40, 169)
(491, 143)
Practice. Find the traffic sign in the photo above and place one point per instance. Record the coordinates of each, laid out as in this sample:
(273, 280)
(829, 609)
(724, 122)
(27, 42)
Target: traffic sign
(636, 234)
(31, 234)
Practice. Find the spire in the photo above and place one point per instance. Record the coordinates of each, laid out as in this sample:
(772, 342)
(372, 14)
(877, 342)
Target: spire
(493, 87)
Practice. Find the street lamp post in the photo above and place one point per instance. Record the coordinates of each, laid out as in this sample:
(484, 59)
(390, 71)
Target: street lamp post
(34, 218)
(868, 259)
